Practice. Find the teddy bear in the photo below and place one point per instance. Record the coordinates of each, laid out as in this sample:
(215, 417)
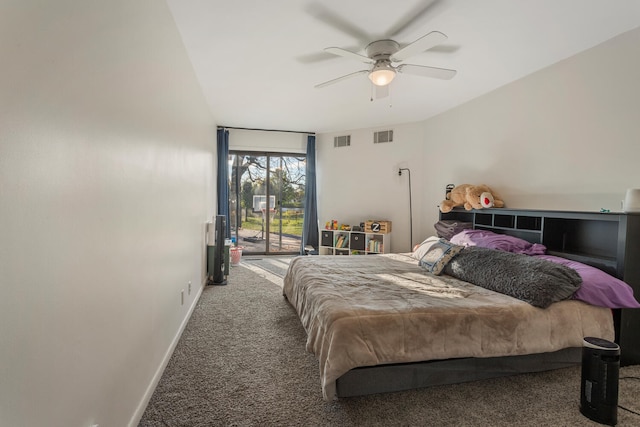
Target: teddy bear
(471, 197)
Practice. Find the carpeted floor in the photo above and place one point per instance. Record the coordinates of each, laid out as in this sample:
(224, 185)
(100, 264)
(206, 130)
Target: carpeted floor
(241, 361)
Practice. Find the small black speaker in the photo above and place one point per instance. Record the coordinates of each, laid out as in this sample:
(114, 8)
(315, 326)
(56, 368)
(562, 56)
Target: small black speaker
(599, 386)
(218, 257)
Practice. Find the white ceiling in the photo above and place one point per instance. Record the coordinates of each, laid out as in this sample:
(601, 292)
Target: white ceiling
(258, 60)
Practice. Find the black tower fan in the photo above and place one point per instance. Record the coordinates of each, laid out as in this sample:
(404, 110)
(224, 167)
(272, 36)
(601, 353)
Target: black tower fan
(218, 253)
(599, 386)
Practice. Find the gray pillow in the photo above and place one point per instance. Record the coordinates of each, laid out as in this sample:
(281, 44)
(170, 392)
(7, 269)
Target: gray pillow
(536, 281)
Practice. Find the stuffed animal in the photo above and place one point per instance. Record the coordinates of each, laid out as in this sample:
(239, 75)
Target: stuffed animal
(471, 197)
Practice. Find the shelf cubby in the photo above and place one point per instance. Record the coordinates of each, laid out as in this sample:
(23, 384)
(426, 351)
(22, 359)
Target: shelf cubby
(342, 242)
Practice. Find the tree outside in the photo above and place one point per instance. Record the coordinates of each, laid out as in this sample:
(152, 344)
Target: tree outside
(287, 184)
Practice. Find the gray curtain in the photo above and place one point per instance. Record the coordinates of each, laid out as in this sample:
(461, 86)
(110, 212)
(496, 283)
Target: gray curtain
(223, 177)
(310, 222)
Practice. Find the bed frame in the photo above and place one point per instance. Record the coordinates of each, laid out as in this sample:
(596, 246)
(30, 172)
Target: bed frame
(407, 376)
(609, 241)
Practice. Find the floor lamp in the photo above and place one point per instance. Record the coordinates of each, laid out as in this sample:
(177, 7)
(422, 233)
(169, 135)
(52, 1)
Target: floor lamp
(410, 209)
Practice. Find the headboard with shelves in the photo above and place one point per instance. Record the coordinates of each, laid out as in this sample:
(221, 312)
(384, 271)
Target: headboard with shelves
(609, 241)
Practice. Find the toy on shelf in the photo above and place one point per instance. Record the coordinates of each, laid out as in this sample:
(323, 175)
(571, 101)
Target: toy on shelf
(471, 197)
(331, 225)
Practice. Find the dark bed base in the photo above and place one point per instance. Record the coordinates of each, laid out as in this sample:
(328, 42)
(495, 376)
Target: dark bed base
(407, 376)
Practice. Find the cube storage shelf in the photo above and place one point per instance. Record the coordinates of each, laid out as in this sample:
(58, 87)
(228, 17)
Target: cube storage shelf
(342, 242)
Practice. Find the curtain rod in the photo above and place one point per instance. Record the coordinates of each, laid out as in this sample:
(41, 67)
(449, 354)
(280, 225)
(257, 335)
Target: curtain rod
(266, 130)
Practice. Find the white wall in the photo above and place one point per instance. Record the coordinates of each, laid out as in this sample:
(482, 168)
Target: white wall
(361, 182)
(106, 181)
(563, 138)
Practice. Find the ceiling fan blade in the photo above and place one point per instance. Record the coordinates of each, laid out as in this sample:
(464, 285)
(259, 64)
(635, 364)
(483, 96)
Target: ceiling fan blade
(310, 58)
(445, 48)
(330, 82)
(425, 42)
(433, 8)
(332, 19)
(421, 70)
(348, 54)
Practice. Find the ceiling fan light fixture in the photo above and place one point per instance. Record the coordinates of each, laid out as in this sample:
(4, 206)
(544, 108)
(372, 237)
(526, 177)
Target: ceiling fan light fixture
(383, 53)
(382, 74)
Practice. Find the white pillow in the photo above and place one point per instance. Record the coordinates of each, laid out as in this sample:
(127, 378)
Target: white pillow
(424, 247)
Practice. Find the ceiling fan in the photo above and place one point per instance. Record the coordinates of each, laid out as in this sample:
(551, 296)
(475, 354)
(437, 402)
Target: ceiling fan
(382, 55)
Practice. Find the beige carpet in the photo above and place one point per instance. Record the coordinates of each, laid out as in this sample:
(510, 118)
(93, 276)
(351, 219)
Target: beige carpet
(241, 361)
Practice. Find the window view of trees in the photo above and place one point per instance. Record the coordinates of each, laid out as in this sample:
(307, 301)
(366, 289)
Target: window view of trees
(285, 176)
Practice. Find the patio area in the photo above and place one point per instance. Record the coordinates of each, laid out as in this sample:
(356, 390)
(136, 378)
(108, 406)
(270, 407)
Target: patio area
(255, 241)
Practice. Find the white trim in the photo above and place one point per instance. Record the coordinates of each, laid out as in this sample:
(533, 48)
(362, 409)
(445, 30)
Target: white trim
(142, 406)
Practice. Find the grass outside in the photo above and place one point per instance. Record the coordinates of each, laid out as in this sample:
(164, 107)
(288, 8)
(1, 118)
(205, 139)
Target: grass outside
(291, 223)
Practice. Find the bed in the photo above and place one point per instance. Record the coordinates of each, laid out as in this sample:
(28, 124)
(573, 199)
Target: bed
(380, 323)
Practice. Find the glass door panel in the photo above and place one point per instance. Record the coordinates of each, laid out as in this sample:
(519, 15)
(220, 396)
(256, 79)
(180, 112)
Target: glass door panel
(266, 201)
(246, 197)
(286, 184)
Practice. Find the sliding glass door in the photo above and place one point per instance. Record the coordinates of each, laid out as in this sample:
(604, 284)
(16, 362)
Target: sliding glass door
(266, 201)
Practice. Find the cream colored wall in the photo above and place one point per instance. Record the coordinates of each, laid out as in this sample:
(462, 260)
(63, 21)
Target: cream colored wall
(106, 181)
(563, 138)
(361, 182)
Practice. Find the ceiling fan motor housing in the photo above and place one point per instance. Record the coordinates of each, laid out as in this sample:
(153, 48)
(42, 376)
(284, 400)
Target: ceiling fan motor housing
(382, 49)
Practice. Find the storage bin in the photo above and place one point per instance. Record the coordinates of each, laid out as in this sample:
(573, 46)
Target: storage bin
(356, 241)
(236, 254)
(384, 227)
(326, 238)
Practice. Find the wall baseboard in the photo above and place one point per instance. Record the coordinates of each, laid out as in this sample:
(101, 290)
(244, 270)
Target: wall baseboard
(142, 406)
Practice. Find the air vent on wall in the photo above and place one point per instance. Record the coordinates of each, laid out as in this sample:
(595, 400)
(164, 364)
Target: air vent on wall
(383, 136)
(342, 141)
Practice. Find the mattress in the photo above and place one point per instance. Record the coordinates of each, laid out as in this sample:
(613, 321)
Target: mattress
(384, 309)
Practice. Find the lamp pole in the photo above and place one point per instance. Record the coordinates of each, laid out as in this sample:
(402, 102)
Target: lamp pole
(410, 209)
